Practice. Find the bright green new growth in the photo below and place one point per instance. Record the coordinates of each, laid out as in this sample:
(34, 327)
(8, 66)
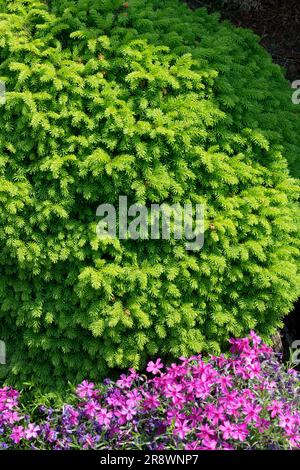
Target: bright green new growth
(249, 88)
(94, 114)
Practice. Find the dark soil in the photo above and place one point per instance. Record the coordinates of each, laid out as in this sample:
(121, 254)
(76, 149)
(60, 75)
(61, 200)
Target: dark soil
(291, 331)
(277, 22)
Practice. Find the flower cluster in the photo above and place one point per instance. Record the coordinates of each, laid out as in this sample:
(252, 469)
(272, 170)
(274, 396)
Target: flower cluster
(246, 400)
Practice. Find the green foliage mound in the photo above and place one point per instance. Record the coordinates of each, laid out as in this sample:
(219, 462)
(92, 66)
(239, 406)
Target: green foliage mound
(92, 114)
(249, 88)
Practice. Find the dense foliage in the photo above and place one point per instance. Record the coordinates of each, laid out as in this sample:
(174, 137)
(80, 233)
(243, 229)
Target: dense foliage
(92, 114)
(249, 88)
(244, 401)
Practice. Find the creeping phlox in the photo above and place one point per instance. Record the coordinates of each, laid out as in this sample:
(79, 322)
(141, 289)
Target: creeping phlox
(246, 400)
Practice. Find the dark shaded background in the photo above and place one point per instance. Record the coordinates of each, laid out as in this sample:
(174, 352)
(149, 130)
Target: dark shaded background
(277, 22)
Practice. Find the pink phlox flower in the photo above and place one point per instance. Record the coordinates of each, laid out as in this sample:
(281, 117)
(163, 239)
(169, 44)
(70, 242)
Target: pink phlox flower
(269, 385)
(215, 413)
(201, 388)
(286, 421)
(226, 382)
(256, 340)
(275, 408)
(128, 411)
(239, 345)
(126, 381)
(11, 417)
(240, 432)
(115, 399)
(221, 361)
(196, 417)
(254, 370)
(17, 434)
(91, 408)
(262, 424)
(209, 444)
(154, 367)
(205, 432)
(85, 389)
(173, 391)
(133, 373)
(10, 403)
(294, 437)
(251, 412)
(32, 431)
(71, 415)
(227, 428)
(151, 401)
(134, 395)
(181, 428)
(103, 417)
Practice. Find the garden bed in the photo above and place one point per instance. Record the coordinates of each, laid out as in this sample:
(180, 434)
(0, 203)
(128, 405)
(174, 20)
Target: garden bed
(246, 400)
(100, 115)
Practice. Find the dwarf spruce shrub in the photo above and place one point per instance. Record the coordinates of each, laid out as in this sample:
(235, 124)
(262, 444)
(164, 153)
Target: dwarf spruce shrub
(95, 113)
(249, 88)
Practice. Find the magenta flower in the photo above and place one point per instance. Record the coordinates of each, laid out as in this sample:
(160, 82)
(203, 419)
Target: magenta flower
(256, 340)
(227, 429)
(91, 408)
(214, 413)
(11, 417)
(181, 429)
(294, 437)
(128, 411)
(72, 416)
(174, 391)
(85, 389)
(226, 382)
(125, 381)
(205, 432)
(240, 432)
(32, 431)
(17, 434)
(209, 444)
(155, 367)
(286, 421)
(104, 417)
(151, 401)
(275, 408)
(251, 412)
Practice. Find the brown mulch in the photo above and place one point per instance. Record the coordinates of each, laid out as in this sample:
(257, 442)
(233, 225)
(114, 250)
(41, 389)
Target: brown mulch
(277, 22)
